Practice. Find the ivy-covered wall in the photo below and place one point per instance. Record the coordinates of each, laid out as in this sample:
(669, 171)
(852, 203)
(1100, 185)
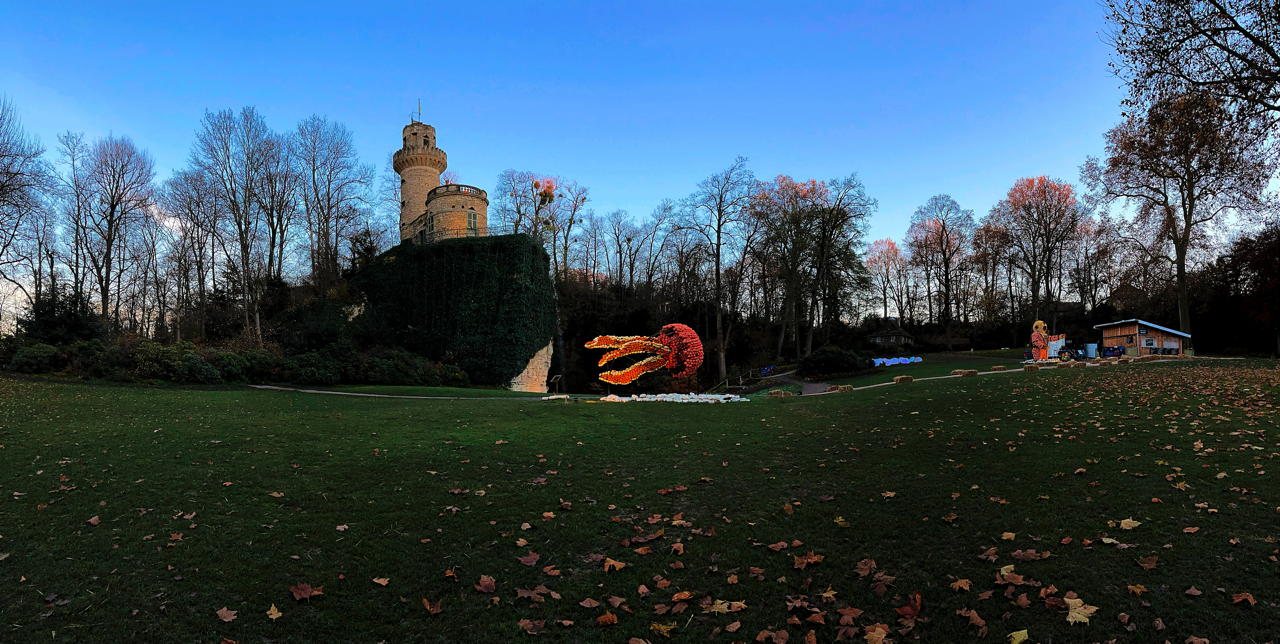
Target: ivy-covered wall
(486, 304)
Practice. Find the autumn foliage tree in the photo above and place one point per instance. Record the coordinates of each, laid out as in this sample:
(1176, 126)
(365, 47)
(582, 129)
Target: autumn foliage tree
(1181, 165)
(1038, 218)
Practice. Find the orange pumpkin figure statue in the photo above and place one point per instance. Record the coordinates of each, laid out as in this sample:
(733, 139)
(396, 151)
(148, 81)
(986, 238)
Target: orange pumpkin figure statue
(1042, 344)
(676, 347)
(1039, 341)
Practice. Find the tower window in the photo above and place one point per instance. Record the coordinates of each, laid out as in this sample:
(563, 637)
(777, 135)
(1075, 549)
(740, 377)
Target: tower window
(431, 223)
(472, 220)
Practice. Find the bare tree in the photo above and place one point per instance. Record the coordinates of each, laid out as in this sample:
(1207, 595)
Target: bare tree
(942, 232)
(192, 201)
(232, 150)
(566, 218)
(23, 176)
(277, 195)
(1227, 48)
(334, 187)
(22, 170)
(120, 176)
(523, 201)
(719, 204)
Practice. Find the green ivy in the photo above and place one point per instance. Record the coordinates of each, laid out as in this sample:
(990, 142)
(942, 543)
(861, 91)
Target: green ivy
(486, 304)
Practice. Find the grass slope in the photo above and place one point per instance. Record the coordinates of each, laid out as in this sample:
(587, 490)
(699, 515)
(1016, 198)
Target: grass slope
(927, 477)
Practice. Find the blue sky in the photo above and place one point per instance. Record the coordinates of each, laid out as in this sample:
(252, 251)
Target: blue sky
(636, 100)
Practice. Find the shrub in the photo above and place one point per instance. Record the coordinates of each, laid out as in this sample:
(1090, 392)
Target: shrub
(83, 356)
(399, 367)
(312, 326)
(192, 368)
(447, 375)
(832, 360)
(9, 345)
(116, 362)
(154, 361)
(36, 358)
(260, 365)
(311, 368)
(231, 367)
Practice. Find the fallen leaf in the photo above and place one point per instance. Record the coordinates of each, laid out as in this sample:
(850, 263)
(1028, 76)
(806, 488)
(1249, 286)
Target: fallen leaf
(1078, 611)
(225, 614)
(303, 591)
(381, 581)
(433, 609)
(1243, 597)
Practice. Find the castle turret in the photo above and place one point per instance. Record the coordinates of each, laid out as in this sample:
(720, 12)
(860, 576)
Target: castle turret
(430, 211)
(419, 163)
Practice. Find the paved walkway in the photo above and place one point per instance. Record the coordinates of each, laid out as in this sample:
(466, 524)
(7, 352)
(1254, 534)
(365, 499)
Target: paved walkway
(980, 373)
(365, 395)
(806, 388)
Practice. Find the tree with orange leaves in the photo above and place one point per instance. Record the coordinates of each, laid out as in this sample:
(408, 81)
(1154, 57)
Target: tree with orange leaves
(882, 262)
(1039, 217)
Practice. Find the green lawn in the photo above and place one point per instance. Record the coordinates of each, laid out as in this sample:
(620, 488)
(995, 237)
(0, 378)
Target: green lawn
(205, 499)
(936, 364)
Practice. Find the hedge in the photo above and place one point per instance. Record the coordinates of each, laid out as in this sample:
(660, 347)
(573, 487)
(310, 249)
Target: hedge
(485, 304)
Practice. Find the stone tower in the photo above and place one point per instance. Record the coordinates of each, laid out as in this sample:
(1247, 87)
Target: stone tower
(430, 211)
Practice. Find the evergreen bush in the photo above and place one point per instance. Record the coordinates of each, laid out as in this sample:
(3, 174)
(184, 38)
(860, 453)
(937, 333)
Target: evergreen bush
(192, 368)
(312, 368)
(37, 358)
(231, 367)
(832, 360)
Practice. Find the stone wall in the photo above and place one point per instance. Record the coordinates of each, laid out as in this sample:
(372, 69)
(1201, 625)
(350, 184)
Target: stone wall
(534, 376)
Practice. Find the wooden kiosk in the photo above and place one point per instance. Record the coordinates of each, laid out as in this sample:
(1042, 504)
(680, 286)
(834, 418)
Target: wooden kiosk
(1142, 338)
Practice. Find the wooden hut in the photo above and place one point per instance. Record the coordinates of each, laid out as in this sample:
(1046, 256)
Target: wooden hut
(1142, 338)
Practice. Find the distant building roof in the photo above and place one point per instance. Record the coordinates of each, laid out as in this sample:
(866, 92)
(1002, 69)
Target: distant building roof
(1146, 323)
(890, 332)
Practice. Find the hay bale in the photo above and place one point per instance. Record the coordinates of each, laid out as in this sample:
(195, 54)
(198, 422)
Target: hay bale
(957, 372)
(1031, 367)
(779, 393)
(999, 367)
(902, 379)
(965, 373)
(846, 388)
(833, 388)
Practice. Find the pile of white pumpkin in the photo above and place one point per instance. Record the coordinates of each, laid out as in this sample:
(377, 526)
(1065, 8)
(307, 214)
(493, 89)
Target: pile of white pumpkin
(675, 398)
